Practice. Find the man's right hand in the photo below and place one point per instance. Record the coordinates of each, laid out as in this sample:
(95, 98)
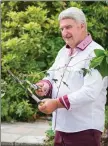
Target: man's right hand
(43, 88)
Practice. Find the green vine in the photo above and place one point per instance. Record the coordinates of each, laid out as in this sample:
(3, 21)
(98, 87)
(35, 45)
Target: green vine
(100, 62)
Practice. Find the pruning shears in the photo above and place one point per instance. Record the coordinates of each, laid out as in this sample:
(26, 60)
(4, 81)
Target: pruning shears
(33, 86)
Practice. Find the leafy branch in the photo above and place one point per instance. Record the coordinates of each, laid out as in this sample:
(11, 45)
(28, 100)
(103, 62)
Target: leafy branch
(45, 71)
(100, 62)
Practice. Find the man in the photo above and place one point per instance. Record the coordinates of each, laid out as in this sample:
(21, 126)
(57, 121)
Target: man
(78, 99)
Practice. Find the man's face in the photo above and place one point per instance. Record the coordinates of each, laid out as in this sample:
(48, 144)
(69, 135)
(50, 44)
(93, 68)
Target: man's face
(71, 32)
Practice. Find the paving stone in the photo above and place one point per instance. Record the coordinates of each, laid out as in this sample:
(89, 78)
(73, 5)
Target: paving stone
(18, 130)
(38, 132)
(23, 133)
(8, 139)
(30, 141)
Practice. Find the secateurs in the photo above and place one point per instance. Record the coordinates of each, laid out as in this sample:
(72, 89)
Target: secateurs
(28, 89)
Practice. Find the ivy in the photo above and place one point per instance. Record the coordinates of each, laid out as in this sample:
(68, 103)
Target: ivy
(100, 62)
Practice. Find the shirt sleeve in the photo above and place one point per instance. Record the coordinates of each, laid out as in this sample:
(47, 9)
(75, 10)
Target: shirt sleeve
(89, 92)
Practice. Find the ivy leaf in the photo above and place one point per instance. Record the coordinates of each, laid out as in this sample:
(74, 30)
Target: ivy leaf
(96, 61)
(107, 60)
(99, 52)
(100, 62)
(104, 68)
(106, 53)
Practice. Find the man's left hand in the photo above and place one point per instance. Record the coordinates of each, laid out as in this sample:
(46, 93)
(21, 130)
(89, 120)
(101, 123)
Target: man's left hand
(49, 105)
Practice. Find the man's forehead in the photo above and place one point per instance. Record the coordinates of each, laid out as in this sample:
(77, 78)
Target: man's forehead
(67, 21)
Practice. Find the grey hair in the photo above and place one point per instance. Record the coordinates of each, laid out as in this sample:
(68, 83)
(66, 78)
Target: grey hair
(73, 13)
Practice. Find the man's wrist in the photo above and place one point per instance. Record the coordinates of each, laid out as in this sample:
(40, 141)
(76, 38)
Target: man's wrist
(59, 104)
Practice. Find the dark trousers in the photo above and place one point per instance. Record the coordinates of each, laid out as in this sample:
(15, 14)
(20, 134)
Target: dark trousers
(84, 138)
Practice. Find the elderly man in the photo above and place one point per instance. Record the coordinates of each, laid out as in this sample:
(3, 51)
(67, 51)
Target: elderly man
(78, 99)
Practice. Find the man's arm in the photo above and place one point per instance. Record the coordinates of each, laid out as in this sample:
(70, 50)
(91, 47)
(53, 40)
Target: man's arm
(93, 84)
(89, 92)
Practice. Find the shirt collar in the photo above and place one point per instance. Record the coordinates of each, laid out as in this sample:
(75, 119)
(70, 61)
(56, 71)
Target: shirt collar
(83, 44)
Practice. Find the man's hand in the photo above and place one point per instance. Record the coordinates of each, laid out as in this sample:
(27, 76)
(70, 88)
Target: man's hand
(50, 105)
(43, 90)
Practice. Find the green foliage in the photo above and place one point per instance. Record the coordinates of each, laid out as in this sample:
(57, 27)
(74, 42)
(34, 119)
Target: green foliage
(106, 117)
(31, 39)
(20, 111)
(24, 110)
(3, 87)
(50, 137)
(100, 62)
